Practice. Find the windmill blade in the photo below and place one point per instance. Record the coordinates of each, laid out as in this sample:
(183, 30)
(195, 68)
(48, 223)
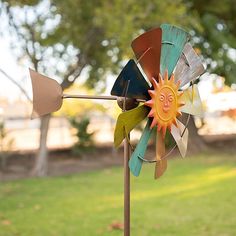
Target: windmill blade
(173, 41)
(147, 49)
(47, 94)
(181, 140)
(138, 86)
(189, 66)
(136, 160)
(192, 100)
(161, 164)
(127, 121)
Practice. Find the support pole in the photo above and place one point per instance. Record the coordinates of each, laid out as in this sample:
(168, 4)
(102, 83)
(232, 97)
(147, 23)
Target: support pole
(126, 189)
(96, 97)
(126, 175)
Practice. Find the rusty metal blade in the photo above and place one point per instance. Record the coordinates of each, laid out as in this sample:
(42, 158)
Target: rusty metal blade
(161, 164)
(147, 49)
(47, 94)
(181, 141)
(192, 100)
(189, 66)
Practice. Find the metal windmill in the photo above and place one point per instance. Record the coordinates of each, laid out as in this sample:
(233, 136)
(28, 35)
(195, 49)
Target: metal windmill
(171, 66)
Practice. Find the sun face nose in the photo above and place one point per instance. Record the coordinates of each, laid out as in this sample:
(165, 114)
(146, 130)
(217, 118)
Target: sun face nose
(166, 106)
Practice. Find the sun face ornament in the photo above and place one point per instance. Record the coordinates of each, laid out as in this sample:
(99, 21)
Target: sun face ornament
(169, 63)
(164, 103)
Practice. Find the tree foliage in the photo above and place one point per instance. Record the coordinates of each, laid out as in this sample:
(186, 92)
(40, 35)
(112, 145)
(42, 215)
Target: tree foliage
(89, 39)
(216, 36)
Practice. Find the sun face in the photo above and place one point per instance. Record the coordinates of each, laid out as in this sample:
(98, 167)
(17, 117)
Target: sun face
(164, 103)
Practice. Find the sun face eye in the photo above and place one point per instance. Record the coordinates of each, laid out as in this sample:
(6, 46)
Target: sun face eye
(162, 97)
(170, 98)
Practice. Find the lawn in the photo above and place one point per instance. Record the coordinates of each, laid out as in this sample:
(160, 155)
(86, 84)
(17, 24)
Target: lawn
(197, 196)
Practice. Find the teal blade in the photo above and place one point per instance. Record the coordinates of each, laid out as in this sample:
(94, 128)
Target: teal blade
(135, 162)
(173, 41)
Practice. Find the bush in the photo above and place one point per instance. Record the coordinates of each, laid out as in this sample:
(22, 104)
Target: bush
(84, 142)
(5, 145)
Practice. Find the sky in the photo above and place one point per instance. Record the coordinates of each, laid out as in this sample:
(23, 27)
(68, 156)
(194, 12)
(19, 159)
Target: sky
(20, 74)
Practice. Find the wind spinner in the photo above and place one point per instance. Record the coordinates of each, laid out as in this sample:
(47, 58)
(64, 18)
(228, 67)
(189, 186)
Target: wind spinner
(169, 63)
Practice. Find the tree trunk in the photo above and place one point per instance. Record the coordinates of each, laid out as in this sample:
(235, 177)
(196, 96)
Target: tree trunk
(41, 161)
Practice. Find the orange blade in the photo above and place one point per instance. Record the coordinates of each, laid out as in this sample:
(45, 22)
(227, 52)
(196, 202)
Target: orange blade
(160, 168)
(147, 49)
(161, 164)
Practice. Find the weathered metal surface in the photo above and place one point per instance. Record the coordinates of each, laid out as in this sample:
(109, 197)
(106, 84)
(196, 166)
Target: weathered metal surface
(161, 164)
(189, 66)
(192, 100)
(173, 41)
(138, 86)
(130, 103)
(127, 121)
(181, 140)
(135, 163)
(147, 49)
(47, 94)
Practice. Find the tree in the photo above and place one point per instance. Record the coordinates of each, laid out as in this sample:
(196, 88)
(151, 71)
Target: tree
(215, 35)
(65, 38)
(29, 24)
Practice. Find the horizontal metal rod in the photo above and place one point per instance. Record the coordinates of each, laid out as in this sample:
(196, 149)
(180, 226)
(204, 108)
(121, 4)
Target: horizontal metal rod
(95, 97)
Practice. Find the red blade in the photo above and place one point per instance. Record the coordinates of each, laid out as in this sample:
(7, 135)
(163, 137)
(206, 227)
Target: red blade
(147, 49)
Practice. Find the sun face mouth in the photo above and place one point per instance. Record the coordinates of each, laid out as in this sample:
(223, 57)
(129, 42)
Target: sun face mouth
(164, 103)
(166, 108)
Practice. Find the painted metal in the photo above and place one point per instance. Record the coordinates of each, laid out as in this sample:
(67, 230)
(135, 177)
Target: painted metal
(138, 85)
(189, 66)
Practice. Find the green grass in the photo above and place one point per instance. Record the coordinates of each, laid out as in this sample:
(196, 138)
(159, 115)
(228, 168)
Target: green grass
(197, 196)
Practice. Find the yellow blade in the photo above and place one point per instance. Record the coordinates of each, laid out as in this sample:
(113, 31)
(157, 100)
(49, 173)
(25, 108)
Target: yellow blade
(182, 142)
(192, 100)
(127, 121)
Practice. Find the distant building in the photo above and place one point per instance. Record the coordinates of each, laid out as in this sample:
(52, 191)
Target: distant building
(17, 109)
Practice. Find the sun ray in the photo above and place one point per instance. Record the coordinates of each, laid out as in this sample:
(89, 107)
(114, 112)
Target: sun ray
(154, 122)
(172, 78)
(175, 122)
(180, 104)
(155, 84)
(163, 131)
(149, 103)
(179, 113)
(166, 75)
(151, 113)
(160, 80)
(151, 93)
